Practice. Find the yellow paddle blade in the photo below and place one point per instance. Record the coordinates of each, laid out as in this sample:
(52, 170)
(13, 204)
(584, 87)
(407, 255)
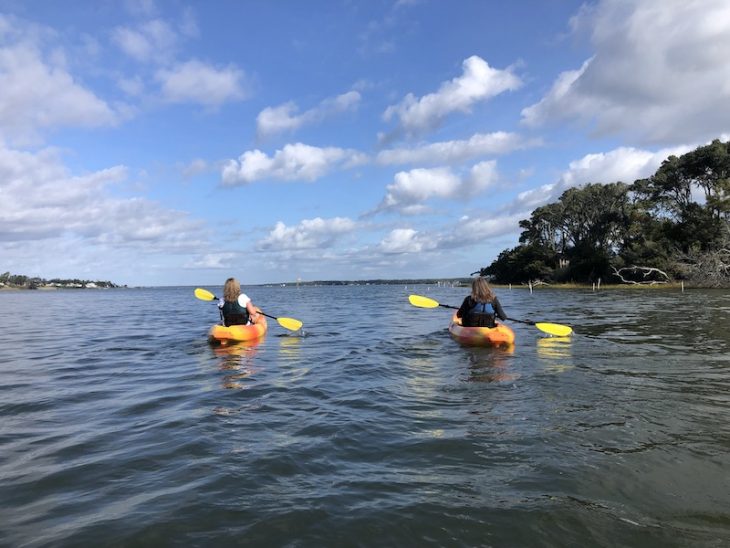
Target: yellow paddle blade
(204, 295)
(289, 323)
(556, 329)
(423, 302)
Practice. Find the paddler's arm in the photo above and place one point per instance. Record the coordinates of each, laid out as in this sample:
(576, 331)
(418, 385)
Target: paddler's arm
(253, 311)
(498, 309)
(465, 306)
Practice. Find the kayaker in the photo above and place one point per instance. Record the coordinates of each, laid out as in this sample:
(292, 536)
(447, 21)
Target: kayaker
(236, 307)
(481, 307)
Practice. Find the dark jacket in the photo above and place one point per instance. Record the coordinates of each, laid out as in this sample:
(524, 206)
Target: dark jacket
(475, 314)
(234, 314)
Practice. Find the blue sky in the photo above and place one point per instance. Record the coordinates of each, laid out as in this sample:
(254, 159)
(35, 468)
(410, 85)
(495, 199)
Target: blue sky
(173, 143)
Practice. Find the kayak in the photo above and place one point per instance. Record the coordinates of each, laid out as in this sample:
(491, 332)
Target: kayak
(238, 333)
(502, 335)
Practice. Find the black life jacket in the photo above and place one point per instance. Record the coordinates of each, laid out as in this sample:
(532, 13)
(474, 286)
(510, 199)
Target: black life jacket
(234, 314)
(479, 315)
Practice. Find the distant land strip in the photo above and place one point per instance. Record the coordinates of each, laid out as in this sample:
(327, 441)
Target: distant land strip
(21, 281)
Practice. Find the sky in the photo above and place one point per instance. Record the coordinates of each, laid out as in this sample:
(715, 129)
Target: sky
(152, 142)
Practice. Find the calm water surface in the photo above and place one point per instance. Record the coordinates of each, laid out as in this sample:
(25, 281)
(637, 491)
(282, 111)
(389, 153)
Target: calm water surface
(120, 425)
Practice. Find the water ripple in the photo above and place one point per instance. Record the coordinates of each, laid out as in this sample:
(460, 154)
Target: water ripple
(375, 429)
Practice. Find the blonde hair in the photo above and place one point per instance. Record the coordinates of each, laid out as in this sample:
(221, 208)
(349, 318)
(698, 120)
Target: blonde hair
(231, 290)
(480, 290)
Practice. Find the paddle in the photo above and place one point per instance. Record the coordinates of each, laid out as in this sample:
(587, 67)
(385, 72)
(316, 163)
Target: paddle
(287, 323)
(551, 328)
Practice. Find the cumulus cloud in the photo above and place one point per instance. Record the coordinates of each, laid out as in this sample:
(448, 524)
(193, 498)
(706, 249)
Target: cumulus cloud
(216, 261)
(466, 232)
(42, 201)
(406, 240)
(309, 234)
(38, 93)
(660, 72)
(198, 82)
(284, 118)
(194, 168)
(446, 152)
(411, 188)
(479, 82)
(625, 164)
(471, 230)
(294, 162)
(153, 40)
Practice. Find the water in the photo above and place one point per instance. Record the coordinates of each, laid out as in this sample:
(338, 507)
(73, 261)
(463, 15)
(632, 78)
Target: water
(120, 425)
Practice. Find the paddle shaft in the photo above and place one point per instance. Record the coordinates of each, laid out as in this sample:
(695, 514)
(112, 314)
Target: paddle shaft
(287, 323)
(259, 311)
(551, 328)
(528, 322)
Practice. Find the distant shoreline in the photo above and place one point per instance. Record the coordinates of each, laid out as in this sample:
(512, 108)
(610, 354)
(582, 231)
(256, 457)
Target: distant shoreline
(48, 288)
(459, 283)
(465, 283)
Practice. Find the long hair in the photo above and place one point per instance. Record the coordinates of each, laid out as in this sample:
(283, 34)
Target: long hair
(231, 290)
(480, 290)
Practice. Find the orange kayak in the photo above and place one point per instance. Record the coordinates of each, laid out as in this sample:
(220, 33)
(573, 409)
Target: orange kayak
(502, 335)
(238, 333)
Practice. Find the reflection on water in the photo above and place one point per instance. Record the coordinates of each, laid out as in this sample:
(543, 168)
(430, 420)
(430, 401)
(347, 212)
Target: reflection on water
(237, 360)
(555, 353)
(491, 364)
(290, 347)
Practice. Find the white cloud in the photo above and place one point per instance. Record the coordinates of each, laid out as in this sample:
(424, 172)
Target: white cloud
(284, 118)
(133, 86)
(466, 232)
(411, 188)
(479, 82)
(309, 234)
(481, 177)
(195, 167)
(421, 184)
(153, 40)
(141, 7)
(38, 94)
(406, 240)
(197, 82)
(447, 152)
(660, 72)
(42, 201)
(473, 230)
(623, 164)
(294, 162)
(213, 260)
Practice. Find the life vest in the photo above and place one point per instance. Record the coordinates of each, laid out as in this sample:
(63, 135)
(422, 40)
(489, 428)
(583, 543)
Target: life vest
(480, 315)
(234, 314)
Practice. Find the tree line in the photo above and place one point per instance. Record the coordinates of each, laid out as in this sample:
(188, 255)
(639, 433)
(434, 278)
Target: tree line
(28, 282)
(673, 225)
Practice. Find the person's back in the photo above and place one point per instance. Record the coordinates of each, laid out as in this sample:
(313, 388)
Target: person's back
(234, 314)
(481, 307)
(479, 315)
(236, 307)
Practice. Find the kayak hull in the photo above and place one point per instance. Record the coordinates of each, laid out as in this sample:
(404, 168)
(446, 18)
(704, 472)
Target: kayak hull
(238, 333)
(502, 335)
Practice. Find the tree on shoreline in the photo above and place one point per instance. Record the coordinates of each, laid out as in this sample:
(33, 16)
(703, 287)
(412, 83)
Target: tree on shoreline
(26, 282)
(676, 222)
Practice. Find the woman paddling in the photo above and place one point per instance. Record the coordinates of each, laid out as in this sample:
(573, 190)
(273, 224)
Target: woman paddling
(236, 307)
(480, 308)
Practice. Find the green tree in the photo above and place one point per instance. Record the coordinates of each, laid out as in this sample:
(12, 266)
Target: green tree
(693, 193)
(522, 264)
